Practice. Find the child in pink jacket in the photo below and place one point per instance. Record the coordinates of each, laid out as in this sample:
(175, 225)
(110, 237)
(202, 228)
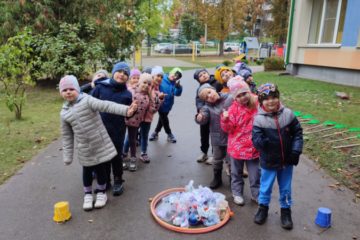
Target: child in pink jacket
(142, 98)
(237, 122)
(156, 99)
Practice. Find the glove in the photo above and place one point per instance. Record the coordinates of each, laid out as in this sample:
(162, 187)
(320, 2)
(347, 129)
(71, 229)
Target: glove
(294, 158)
(177, 84)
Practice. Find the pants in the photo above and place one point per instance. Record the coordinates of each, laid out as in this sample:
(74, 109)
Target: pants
(205, 137)
(100, 177)
(284, 178)
(219, 155)
(163, 122)
(115, 163)
(144, 136)
(130, 141)
(237, 180)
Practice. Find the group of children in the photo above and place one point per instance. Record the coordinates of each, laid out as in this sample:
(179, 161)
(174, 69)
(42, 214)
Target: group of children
(247, 125)
(251, 127)
(96, 117)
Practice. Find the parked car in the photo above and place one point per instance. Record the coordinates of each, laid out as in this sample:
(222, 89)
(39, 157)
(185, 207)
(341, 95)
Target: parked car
(231, 46)
(179, 48)
(161, 46)
(210, 44)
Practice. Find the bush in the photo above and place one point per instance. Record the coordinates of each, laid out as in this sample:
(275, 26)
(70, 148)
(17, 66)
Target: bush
(227, 62)
(274, 63)
(245, 61)
(259, 61)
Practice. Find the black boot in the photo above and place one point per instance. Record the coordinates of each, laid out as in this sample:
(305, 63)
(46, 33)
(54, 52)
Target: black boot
(217, 181)
(286, 221)
(261, 215)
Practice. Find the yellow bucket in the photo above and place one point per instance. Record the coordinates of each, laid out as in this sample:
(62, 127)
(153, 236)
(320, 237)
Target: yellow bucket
(61, 212)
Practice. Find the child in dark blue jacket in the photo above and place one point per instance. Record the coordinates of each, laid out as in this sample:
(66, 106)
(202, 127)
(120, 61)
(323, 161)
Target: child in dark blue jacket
(115, 90)
(278, 137)
(171, 87)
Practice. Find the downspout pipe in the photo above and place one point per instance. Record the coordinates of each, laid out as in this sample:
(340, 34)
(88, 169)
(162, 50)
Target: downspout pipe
(289, 35)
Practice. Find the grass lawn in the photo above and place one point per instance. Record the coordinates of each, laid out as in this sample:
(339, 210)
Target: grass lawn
(318, 98)
(21, 140)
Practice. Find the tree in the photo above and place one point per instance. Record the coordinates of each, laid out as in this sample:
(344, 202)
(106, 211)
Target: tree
(15, 65)
(191, 28)
(280, 13)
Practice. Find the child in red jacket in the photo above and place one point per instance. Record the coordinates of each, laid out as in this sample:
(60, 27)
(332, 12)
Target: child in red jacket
(237, 122)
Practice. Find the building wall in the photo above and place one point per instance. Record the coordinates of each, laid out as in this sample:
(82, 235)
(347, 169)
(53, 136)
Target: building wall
(333, 63)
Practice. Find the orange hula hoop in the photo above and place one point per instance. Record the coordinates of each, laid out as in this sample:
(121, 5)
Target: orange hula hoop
(166, 225)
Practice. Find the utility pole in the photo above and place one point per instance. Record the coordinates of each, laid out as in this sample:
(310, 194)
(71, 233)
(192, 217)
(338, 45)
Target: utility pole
(148, 34)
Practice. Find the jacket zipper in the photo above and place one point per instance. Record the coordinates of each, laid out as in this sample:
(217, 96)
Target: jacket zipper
(281, 142)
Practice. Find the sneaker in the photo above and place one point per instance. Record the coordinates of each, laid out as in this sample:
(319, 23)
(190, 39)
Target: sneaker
(210, 161)
(202, 158)
(145, 158)
(118, 188)
(101, 200)
(88, 202)
(133, 164)
(239, 200)
(171, 138)
(154, 136)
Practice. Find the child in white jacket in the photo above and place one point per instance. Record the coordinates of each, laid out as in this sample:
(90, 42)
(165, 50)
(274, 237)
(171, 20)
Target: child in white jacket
(81, 124)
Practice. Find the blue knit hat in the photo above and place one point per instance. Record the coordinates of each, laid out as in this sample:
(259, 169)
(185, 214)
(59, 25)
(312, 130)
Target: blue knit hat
(121, 66)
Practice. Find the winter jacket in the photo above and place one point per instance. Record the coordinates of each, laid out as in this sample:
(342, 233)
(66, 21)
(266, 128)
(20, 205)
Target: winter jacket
(155, 103)
(200, 103)
(112, 91)
(239, 126)
(143, 105)
(278, 137)
(211, 113)
(83, 130)
(168, 87)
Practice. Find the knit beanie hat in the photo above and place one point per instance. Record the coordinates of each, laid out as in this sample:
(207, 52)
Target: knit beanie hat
(204, 86)
(121, 66)
(237, 85)
(147, 70)
(157, 70)
(266, 90)
(218, 72)
(134, 72)
(176, 72)
(245, 74)
(103, 72)
(197, 72)
(69, 81)
(145, 77)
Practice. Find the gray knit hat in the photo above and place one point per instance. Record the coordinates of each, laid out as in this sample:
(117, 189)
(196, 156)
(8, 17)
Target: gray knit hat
(204, 86)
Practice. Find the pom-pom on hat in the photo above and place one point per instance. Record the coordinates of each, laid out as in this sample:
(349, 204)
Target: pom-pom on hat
(237, 85)
(135, 72)
(121, 66)
(197, 72)
(157, 70)
(266, 90)
(69, 81)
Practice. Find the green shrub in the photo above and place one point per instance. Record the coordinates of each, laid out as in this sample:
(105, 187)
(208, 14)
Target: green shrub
(259, 61)
(274, 63)
(245, 61)
(227, 62)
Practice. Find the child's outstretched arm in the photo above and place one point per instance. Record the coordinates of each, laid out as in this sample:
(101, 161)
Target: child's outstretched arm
(111, 107)
(67, 142)
(178, 89)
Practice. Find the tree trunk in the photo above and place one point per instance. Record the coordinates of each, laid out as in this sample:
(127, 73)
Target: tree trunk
(148, 45)
(221, 48)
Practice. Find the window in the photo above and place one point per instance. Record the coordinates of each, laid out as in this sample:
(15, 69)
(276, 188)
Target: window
(327, 21)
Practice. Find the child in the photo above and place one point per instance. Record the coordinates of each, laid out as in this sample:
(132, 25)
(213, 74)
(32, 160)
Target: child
(98, 77)
(222, 75)
(210, 113)
(203, 76)
(171, 87)
(248, 78)
(115, 90)
(83, 130)
(277, 135)
(237, 123)
(134, 77)
(156, 99)
(141, 95)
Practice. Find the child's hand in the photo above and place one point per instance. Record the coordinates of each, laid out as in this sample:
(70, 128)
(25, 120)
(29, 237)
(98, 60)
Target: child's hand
(162, 95)
(199, 117)
(132, 108)
(225, 114)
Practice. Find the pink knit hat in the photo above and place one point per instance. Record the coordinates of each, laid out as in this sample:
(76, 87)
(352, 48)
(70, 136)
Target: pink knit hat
(134, 72)
(237, 85)
(69, 81)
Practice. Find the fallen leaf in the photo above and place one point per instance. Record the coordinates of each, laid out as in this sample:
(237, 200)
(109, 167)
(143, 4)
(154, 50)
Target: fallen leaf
(90, 221)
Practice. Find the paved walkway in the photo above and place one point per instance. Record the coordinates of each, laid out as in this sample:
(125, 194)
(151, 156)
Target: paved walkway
(27, 199)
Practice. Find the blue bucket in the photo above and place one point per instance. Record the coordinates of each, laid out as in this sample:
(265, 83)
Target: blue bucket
(323, 217)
